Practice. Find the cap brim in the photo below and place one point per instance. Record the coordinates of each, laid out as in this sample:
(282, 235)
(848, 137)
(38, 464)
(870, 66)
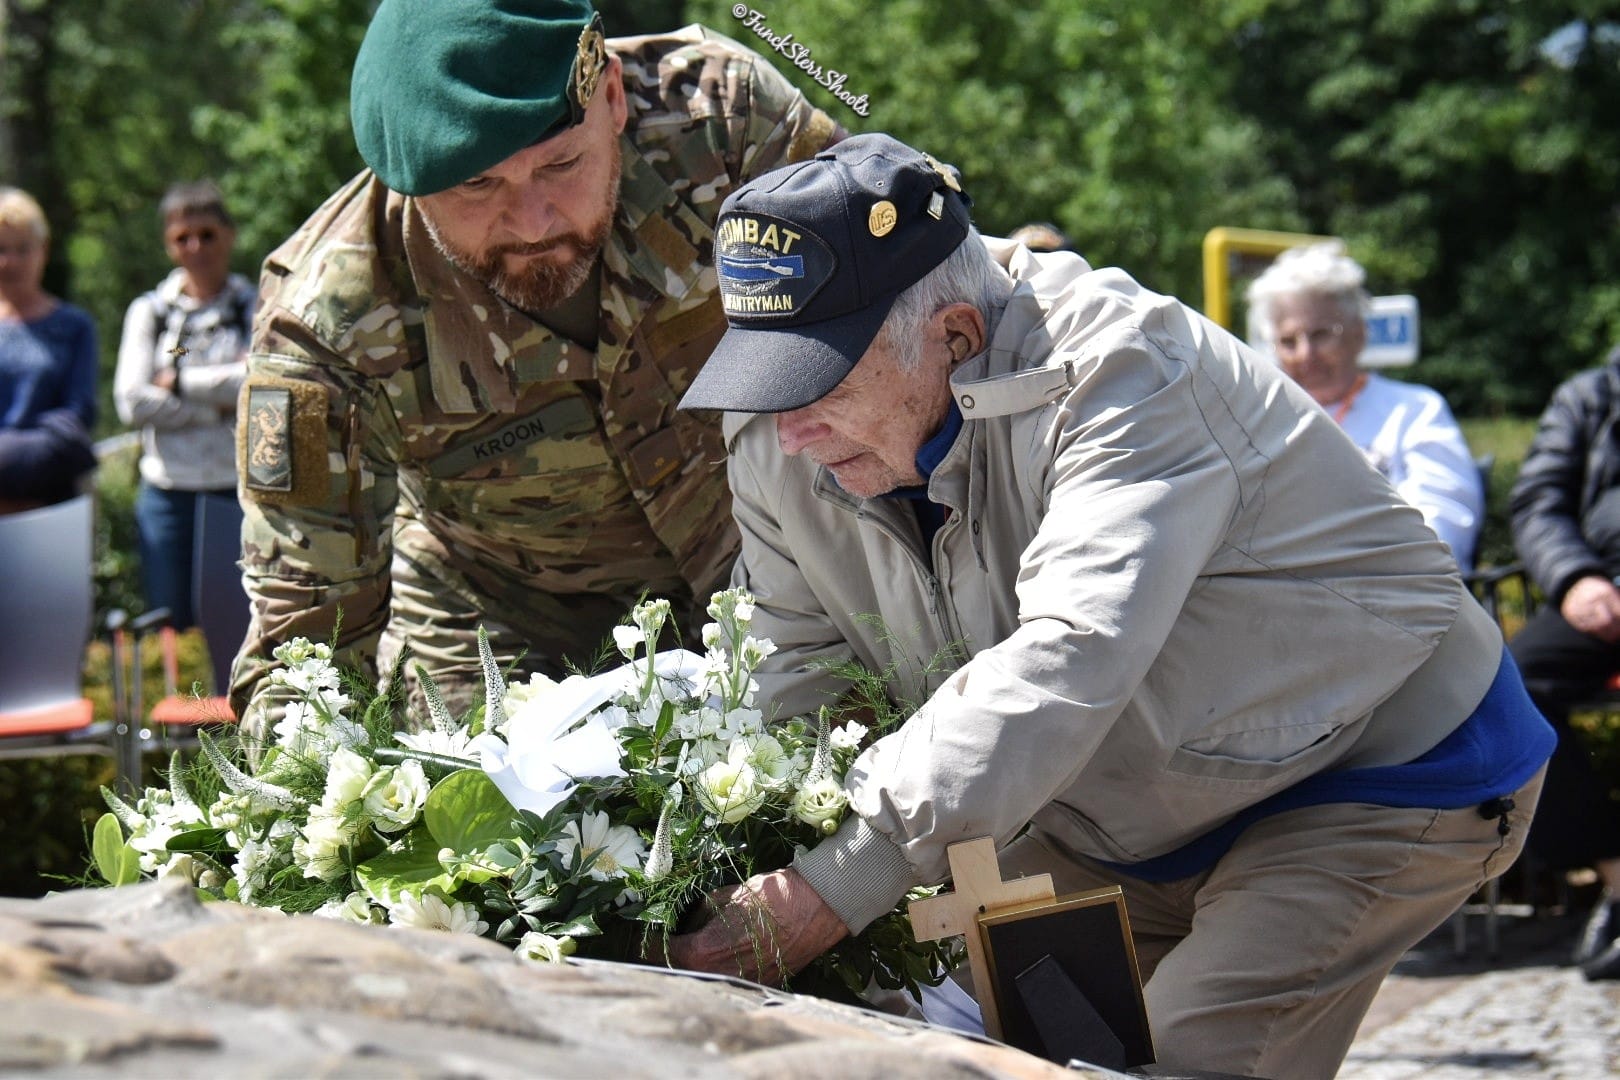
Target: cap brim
(768, 371)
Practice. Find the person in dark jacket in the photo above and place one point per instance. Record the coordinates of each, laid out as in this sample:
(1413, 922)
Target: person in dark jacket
(1566, 527)
(47, 369)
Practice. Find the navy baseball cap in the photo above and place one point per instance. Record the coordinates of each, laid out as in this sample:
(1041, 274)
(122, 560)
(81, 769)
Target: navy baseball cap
(810, 259)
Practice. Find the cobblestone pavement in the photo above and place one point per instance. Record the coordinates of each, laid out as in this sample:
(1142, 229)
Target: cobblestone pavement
(1525, 1013)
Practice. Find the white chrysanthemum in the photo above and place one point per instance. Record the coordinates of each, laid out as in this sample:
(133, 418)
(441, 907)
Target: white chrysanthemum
(765, 754)
(355, 908)
(394, 797)
(730, 790)
(821, 803)
(618, 848)
(543, 948)
(319, 848)
(430, 911)
(847, 737)
(347, 774)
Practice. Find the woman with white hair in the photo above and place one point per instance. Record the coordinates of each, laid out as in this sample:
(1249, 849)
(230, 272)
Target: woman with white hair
(1311, 308)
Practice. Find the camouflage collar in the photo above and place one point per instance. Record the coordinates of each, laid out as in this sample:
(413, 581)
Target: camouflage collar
(652, 255)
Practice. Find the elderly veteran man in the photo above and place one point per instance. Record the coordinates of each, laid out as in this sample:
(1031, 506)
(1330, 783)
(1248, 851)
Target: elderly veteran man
(461, 403)
(1209, 656)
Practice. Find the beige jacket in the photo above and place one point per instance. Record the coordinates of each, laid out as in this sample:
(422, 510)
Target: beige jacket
(1178, 586)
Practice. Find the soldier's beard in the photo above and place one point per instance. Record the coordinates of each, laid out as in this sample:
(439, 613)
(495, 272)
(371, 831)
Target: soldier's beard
(549, 272)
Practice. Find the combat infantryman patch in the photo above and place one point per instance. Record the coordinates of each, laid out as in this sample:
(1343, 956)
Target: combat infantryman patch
(268, 466)
(767, 268)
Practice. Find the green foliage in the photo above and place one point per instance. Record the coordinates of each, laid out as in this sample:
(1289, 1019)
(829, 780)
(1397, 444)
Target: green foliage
(466, 812)
(1506, 440)
(1106, 119)
(1469, 155)
(115, 860)
(1467, 151)
(48, 807)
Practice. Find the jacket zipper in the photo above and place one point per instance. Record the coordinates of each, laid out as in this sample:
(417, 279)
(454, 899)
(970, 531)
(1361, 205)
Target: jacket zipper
(938, 605)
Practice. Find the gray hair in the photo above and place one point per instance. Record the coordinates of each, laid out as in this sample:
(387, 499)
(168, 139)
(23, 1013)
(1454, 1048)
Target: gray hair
(1322, 269)
(967, 276)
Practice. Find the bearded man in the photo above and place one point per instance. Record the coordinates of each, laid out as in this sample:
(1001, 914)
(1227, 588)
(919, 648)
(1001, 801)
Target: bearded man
(462, 390)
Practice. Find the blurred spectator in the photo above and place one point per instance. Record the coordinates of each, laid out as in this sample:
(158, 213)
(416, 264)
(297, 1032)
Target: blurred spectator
(180, 364)
(1310, 307)
(1566, 527)
(48, 362)
(1042, 236)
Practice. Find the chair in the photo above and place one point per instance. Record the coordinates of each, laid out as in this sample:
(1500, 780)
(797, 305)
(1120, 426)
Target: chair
(45, 622)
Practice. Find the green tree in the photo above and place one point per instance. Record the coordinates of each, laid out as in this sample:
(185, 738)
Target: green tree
(1468, 151)
(1107, 118)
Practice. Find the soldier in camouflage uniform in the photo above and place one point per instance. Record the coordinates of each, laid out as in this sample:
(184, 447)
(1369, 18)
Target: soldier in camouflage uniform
(420, 456)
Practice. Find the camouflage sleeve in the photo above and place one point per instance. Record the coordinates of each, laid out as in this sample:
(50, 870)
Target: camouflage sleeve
(781, 126)
(316, 454)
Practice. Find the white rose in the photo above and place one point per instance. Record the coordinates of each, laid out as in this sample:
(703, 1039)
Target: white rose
(764, 753)
(347, 774)
(821, 803)
(543, 948)
(319, 850)
(730, 790)
(394, 797)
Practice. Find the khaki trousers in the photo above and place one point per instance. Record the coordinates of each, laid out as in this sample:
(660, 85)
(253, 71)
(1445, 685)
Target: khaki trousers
(1265, 964)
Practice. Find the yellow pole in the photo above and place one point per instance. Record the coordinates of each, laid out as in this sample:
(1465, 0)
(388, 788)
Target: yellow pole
(1223, 241)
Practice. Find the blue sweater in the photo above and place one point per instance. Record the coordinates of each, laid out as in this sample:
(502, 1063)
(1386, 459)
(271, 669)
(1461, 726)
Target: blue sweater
(1491, 754)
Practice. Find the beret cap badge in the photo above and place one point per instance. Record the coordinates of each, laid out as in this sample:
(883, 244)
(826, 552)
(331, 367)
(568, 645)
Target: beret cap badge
(589, 61)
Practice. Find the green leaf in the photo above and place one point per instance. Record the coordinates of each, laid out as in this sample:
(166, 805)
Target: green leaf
(115, 860)
(199, 840)
(466, 812)
(582, 926)
(412, 869)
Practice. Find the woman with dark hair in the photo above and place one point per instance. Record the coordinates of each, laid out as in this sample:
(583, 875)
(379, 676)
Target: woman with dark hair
(180, 365)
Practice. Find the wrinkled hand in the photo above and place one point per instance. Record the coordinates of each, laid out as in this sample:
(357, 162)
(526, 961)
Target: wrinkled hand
(1592, 606)
(765, 929)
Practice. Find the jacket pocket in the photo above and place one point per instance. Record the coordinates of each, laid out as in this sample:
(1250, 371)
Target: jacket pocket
(1258, 754)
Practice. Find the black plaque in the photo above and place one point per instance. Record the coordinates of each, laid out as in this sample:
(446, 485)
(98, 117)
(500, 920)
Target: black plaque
(1087, 936)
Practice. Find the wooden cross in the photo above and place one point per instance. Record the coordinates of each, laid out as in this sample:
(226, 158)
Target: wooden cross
(976, 875)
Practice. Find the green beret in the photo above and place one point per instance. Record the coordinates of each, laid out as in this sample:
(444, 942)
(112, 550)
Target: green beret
(444, 89)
